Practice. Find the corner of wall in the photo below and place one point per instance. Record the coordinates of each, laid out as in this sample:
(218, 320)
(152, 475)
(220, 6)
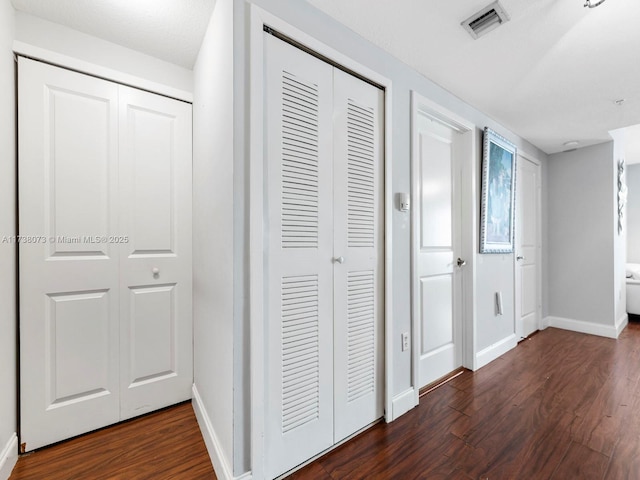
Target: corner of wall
(608, 331)
(214, 447)
(490, 353)
(582, 291)
(8, 356)
(214, 281)
(402, 403)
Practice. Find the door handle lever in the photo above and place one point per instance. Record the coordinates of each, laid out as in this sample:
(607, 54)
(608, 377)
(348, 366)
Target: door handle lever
(461, 262)
(519, 257)
(339, 260)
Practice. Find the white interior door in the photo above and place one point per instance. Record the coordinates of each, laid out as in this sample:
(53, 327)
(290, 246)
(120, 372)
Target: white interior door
(438, 246)
(527, 248)
(324, 260)
(156, 368)
(82, 337)
(69, 298)
(357, 252)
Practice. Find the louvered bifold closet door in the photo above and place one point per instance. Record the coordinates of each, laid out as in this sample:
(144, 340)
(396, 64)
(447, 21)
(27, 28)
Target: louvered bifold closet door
(299, 222)
(358, 230)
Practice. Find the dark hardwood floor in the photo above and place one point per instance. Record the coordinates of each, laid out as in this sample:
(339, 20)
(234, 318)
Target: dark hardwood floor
(562, 405)
(162, 445)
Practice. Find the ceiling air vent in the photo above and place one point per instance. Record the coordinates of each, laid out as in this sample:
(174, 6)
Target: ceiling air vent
(490, 17)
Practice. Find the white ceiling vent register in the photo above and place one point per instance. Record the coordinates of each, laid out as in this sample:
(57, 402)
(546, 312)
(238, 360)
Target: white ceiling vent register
(482, 22)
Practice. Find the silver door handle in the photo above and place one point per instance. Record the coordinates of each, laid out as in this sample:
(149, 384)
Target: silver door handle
(519, 258)
(339, 260)
(461, 262)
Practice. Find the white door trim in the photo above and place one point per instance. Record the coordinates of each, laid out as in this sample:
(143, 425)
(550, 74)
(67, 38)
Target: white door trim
(516, 277)
(423, 106)
(258, 19)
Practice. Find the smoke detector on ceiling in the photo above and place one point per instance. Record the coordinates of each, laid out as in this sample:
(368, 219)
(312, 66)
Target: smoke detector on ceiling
(487, 19)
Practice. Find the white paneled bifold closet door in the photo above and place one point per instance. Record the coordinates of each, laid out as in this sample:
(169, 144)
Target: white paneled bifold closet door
(324, 259)
(104, 180)
(156, 340)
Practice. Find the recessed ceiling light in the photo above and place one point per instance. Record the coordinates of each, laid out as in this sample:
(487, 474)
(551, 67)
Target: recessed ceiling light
(571, 144)
(620, 101)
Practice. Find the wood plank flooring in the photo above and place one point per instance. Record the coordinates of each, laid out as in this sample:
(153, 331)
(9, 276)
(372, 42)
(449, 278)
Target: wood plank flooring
(162, 445)
(562, 406)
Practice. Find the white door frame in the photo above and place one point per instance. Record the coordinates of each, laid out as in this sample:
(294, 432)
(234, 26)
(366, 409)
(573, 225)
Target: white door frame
(516, 277)
(468, 141)
(258, 19)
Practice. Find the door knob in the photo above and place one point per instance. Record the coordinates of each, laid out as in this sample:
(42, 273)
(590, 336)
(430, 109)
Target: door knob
(461, 262)
(519, 258)
(339, 260)
(156, 272)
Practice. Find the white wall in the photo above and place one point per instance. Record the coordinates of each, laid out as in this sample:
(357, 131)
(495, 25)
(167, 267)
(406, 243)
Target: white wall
(619, 290)
(544, 234)
(8, 425)
(322, 27)
(581, 236)
(64, 44)
(66, 41)
(633, 213)
(494, 272)
(213, 235)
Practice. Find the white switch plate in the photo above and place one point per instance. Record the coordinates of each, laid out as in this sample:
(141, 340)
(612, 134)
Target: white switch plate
(405, 341)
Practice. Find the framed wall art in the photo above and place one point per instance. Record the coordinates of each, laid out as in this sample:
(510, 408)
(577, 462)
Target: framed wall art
(497, 209)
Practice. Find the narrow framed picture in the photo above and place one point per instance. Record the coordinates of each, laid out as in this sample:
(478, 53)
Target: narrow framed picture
(497, 208)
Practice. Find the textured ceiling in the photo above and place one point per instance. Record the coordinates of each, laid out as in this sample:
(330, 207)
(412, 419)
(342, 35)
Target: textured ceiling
(551, 74)
(171, 30)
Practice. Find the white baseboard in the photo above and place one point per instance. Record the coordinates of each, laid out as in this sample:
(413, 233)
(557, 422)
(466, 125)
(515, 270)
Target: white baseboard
(544, 323)
(220, 464)
(489, 354)
(402, 403)
(581, 326)
(621, 324)
(8, 457)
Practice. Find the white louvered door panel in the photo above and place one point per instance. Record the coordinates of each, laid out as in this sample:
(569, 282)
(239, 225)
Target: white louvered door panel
(299, 222)
(358, 238)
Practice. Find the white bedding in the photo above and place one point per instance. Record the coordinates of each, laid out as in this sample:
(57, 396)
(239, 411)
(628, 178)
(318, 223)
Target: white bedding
(633, 271)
